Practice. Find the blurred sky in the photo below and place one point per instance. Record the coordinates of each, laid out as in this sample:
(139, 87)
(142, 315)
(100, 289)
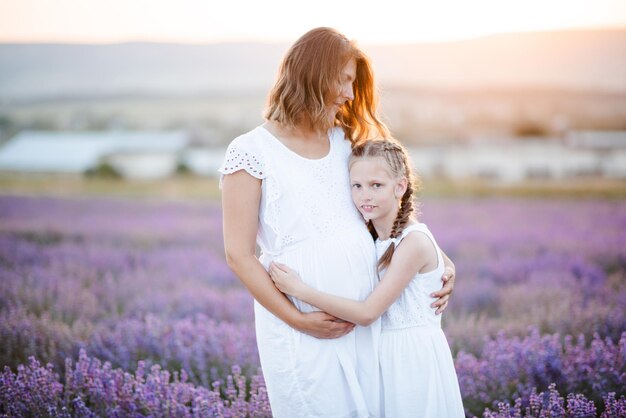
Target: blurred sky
(201, 21)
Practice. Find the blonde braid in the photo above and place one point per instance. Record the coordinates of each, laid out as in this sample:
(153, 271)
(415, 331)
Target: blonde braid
(406, 203)
(397, 159)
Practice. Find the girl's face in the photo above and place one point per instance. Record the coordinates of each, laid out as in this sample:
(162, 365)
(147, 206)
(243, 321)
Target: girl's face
(375, 191)
(345, 87)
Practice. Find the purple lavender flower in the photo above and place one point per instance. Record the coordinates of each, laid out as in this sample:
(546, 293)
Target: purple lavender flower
(139, 299)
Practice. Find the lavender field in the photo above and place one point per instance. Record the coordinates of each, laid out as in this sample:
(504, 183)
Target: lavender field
(127, 308)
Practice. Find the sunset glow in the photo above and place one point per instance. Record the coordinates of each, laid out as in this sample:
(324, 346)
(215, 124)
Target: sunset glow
(199, 21)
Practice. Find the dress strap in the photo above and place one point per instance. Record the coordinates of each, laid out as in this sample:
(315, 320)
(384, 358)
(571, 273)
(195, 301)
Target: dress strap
(413, 227)
(422, 228)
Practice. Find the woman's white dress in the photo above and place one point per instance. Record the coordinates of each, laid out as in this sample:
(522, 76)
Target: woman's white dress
(417, 369)
(308, 222)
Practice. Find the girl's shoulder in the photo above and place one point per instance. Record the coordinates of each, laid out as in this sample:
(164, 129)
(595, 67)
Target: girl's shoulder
(415, 227)
(419, 244)
(417, 236)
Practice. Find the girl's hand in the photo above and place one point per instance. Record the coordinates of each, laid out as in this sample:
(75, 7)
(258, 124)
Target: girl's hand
(445, 292)
(286, 279)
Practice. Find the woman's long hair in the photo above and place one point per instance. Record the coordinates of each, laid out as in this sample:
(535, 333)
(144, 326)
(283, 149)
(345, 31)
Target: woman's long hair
(308, 79)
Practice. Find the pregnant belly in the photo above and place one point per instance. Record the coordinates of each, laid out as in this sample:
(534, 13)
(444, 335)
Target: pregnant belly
(342, 265)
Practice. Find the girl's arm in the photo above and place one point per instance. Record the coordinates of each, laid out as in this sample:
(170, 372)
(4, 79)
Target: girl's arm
(415, 253)
(241, 196)
(449, 275)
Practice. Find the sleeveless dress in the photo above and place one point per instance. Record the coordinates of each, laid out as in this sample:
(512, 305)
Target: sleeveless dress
(308, 222)
(417, 369)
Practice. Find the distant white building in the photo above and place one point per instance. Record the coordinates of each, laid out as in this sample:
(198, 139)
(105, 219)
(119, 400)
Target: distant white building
(204, 161)
(133, 154)
(515, 160)
(607, 140)
(151, 155)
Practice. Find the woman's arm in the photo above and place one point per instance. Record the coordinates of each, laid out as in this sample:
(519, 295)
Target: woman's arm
(444, 293)
(416, 252)
(241, 197)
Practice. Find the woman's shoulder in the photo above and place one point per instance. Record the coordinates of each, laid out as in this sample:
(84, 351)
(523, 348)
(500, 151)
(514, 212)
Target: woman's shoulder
(246, 152)
(338, 136)
(256, 143)
(251, 138)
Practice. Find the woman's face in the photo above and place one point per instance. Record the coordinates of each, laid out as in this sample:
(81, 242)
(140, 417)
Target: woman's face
(345, 87)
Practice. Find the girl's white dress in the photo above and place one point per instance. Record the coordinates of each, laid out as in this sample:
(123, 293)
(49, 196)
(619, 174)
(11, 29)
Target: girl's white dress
(418, 376)
(308, 222)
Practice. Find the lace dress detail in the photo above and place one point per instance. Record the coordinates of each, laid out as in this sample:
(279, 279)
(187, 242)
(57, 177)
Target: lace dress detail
(237, 159)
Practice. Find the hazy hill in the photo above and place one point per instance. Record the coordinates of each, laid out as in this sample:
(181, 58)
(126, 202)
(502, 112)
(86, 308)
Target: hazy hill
(44, 70)
(579, 60)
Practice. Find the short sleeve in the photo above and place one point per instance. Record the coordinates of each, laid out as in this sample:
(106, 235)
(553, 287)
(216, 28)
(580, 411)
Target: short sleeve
(243, 153)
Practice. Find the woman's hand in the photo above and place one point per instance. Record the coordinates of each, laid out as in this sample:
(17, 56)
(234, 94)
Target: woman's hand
(445, 292)
(286, 279)
(322, 325)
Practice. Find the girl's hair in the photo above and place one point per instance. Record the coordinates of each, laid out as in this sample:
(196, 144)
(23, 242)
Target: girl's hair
(397, 159)
(308, 79)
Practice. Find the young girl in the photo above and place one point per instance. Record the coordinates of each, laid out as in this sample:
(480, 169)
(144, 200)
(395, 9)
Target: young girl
(417, 370)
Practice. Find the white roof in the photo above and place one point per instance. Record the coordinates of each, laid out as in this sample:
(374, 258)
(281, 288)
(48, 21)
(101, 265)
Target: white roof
(598, 139)
(76, 152)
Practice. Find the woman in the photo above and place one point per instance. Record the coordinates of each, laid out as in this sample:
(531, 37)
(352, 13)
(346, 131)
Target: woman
(285, 187)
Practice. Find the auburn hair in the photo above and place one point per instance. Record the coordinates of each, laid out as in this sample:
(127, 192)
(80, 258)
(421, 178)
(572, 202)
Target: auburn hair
(308, 79)
(398, 162)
